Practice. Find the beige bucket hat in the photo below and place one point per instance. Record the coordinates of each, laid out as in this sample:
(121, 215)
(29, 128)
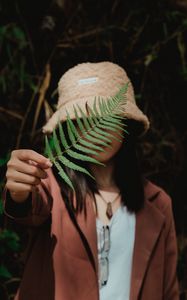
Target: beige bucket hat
(83, 82)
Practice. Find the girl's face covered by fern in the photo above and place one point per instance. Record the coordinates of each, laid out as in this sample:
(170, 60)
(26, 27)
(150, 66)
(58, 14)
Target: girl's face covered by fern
(110, 150)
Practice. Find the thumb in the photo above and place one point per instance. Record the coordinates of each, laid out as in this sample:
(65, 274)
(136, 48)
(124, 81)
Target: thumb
(44, 165)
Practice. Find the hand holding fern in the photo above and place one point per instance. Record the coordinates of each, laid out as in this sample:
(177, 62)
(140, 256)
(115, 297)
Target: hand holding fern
(25, 170)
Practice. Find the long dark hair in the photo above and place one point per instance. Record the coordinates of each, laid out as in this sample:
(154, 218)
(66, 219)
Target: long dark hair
(127, 175)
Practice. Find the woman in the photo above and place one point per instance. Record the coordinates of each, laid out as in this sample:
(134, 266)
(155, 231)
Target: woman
(115, 239)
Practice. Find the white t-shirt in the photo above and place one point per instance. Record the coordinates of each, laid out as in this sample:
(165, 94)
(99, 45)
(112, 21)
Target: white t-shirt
(119, 253)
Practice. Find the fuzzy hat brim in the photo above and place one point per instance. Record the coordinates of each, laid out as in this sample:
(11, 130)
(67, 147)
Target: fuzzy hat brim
(131, 111)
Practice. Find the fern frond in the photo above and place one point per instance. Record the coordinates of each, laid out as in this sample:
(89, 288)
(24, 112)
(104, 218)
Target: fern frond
(99, 121)
(109, 126)
(73, 166)
(48, 150)
(90, 129)
(63, 174)
(88, 144)
(56, 143)
(62, 136)
(82, 157)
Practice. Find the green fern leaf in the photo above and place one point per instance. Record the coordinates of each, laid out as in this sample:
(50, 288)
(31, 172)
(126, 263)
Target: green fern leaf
(79, 122)
(48, 150)
(72, 126)
(85, 121)
(87, 150)
(114, 120)
(104, 106)
(90, 145)
(111, 125)
(94, 122)
(83, 157)
(87, 126)
(73, 166)
(62, 136)
(102, 109)
(56, 143)
(70, 132)
(101, 135)
(82, 129)
(95, 109)
(108, 125)
(95, 140)
(63, 174)
(109, 119)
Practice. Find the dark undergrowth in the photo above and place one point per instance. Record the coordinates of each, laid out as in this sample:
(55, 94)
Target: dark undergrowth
(38, 44)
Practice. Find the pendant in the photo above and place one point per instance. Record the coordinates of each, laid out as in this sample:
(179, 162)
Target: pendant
(109, 212)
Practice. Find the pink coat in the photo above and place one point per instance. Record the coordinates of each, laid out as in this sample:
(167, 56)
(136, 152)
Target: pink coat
(57, 265)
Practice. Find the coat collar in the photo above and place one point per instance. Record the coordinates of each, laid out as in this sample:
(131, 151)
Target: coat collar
(149, 223)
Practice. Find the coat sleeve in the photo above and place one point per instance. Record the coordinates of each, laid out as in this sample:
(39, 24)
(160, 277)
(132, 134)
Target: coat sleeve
(35, 210)
(171, 286)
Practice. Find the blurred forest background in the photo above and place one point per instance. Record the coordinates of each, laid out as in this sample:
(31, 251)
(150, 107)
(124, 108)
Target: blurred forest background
(40, 40)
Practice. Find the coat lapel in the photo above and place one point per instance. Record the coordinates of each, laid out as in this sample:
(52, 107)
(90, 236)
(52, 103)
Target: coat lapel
(149, 222)
(88, 227)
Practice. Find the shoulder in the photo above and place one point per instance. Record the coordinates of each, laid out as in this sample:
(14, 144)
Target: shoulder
(158, 197)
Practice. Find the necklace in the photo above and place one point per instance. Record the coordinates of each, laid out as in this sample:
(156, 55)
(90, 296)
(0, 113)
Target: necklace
(109, 211)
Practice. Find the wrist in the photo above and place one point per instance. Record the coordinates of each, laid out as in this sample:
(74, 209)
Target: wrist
(19, 197)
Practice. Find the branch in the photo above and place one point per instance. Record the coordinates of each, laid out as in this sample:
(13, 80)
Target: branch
(42, 92)
(11, 113)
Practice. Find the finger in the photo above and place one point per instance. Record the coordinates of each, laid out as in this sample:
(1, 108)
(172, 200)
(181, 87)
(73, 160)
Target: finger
(27, 154)
(19, 187)
(24, 178)
(33, 163)
(25, 168)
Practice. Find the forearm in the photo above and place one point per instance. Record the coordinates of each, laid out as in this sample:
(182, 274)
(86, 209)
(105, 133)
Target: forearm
(33, 211)
(19, 197)
(17, 208)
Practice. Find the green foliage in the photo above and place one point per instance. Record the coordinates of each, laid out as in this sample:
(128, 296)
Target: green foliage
(148, 39)
(14, 74)
(1, 207)
(4, 273)
(9, 241)
(93, 128)
(13, 33)
(3, 161)
(9, 244)
(1, 201)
